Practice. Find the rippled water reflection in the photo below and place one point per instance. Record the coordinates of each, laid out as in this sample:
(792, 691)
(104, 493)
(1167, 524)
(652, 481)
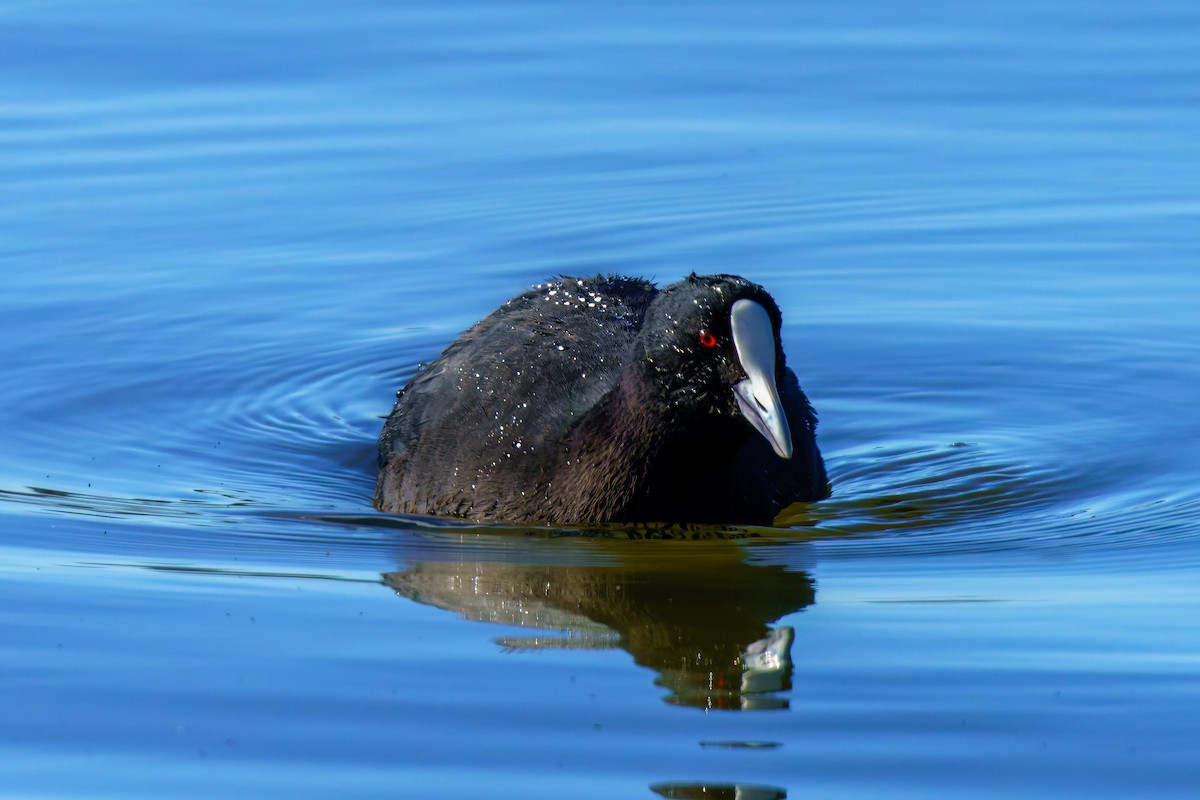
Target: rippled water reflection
(230, 233)
(702, 626)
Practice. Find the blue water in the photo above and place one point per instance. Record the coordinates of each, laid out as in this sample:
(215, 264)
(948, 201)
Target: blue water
(230, 231)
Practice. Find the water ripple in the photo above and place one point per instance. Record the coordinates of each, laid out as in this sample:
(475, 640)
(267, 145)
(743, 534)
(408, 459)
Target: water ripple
(970, 497)
(284, 449)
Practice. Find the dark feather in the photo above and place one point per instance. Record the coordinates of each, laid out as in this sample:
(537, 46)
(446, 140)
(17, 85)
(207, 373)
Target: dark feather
(589, 401)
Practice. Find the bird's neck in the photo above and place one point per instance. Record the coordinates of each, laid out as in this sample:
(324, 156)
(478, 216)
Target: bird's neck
(608, 456)
(640, 457)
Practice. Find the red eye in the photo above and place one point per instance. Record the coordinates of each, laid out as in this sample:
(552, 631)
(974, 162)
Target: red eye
(707, 339)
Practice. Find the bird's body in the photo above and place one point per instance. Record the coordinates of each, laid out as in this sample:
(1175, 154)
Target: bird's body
(607, 400)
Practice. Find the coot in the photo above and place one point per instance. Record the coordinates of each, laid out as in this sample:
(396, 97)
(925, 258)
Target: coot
(606, 399)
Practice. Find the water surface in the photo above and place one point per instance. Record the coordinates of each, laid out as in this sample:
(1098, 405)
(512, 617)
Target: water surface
(230, 232)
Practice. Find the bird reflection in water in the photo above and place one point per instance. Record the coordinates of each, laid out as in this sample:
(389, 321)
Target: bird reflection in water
(718, 791)
(699, 614)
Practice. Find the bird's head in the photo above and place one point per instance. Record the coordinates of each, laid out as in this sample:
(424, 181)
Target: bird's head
(711, 345)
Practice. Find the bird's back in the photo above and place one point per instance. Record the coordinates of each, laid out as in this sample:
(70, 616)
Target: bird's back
(478, 431)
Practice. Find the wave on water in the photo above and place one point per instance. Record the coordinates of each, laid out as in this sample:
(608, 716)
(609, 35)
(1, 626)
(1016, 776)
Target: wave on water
(963, 497)
(279, 443)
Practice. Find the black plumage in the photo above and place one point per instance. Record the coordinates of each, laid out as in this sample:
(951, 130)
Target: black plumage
(594, 400)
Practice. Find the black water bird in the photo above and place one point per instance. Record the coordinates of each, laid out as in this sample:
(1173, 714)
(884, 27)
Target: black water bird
(596, 400)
